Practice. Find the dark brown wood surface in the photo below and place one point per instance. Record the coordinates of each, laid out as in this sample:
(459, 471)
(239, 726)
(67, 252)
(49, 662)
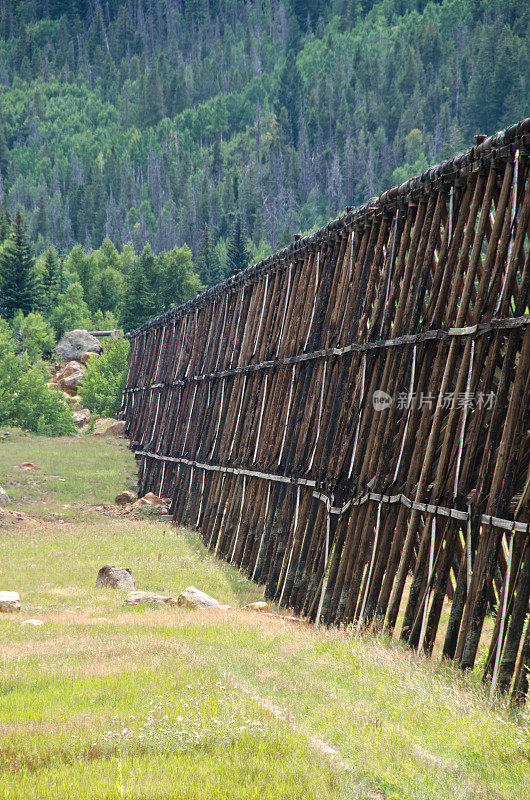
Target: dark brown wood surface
(252, 408)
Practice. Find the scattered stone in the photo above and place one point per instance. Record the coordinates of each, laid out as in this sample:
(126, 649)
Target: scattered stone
(152, 502)
(4, 497)
(115, 578)
(223, 607)
(8, 518)
(81, 417)
(28, 465)
(34, 622)
(9, 602)
(71, 383)
(194, 598)
(152, 498)
(69, 369)
(116, 429)
(141, 502)
(75, 344)
(86, 357)
(125, 498)
(149, 598)
(258, 605)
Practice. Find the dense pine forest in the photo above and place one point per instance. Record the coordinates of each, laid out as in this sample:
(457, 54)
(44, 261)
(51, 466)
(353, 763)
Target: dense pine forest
(137, 135)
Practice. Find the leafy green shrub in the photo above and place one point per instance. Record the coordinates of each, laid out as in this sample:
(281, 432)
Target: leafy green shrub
(34, 335)
(104, 321)
(27, 401)
(9, 365)
(102, 387)
(71, 311)
(7, 344)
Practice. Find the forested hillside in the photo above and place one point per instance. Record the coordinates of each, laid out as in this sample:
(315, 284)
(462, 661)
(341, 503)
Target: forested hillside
(148, 121)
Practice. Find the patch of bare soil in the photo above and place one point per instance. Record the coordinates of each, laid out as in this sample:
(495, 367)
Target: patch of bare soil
(10, 519)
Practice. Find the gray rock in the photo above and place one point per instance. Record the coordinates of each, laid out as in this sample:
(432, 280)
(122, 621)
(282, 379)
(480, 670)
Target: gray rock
(115, 578)
(4, 497)
(116, 429)
(149, 598)
(9, 602)
(75, 344)
(194, 598)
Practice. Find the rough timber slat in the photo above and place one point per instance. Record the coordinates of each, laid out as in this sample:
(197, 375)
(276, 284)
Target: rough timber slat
(252, 407)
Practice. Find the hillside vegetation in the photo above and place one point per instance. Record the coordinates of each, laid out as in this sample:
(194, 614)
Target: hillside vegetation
(148, 121)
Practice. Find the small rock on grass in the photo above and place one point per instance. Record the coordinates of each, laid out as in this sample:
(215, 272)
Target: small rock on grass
(34, 622)
(116, 429)
(9, 602)
(4, 497)
(153, 498)
(115, 578)
(194, 598)
(259, 605)
(152, 502)
(125, 498)
(28, 465)
(149, 598)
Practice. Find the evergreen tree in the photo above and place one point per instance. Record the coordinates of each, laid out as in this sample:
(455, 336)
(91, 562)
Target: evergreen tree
(4, 152)
(5, 225)
(62, 283)
(208, 266)
(51, 279)
(289, 94)
(176, 96)
(20, 285)
(308, 11)
(238, 257)
(154, 98)
(140, 290)
(40, 225)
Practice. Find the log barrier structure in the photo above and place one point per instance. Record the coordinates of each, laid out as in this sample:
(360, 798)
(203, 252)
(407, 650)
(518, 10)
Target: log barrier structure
(348, 420)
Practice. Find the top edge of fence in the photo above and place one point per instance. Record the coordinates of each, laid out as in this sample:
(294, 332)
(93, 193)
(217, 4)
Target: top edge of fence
(444, 173)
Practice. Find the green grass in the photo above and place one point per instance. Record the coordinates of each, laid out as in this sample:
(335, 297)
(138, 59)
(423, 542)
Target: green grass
(106, 702)
(75, 472)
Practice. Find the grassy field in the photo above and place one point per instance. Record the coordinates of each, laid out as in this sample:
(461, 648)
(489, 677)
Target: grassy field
(106, 702)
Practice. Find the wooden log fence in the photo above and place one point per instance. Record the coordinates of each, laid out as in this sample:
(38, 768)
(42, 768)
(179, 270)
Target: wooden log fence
(348, 420)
